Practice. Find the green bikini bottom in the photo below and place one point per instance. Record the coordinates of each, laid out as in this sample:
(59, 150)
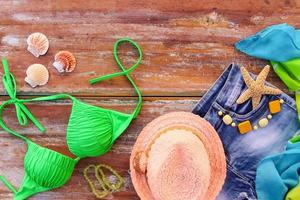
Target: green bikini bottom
(39, 159)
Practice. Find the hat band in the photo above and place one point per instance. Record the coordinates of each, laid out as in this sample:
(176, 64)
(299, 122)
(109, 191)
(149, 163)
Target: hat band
(141, 158)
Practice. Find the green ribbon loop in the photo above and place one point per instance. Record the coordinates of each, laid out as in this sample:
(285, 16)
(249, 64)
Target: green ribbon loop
(125, 71)
(22, 111)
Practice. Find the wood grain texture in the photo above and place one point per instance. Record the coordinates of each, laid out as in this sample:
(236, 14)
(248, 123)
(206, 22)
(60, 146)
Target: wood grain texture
(181, 42)
(186, 46)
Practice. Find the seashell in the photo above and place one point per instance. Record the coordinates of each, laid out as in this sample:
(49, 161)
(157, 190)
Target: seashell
(64, 61)
(37, 74)
(38, 44)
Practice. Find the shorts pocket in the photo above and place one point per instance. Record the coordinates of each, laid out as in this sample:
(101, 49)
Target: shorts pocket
(261, 110)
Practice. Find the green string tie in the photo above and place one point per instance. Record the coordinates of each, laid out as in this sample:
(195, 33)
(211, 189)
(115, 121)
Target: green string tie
(125, 71)
(22, 111)
(8, 184)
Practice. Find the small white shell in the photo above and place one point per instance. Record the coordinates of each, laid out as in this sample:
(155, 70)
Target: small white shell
(64, 62)
(38, 44)
(37, 74)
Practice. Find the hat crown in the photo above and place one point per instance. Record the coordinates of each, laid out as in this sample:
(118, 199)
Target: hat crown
(178, 156)
(178, 166)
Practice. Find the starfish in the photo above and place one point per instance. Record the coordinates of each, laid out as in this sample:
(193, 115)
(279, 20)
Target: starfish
(256, 88)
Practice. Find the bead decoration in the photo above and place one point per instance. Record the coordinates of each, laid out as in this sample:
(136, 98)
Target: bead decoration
(263, 122)
(106, 185)
(274, 106)
(281, 101)
(246, 126)
(227, 119)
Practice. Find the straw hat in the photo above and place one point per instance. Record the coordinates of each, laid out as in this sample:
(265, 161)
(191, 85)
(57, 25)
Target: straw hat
(178, 156)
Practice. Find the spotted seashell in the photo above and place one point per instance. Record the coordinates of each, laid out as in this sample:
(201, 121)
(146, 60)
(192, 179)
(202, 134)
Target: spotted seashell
(38, 44)
(64, 61)
(37, 74)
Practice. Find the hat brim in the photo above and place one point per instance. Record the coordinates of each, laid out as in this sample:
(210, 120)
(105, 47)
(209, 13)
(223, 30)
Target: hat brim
(208, 137)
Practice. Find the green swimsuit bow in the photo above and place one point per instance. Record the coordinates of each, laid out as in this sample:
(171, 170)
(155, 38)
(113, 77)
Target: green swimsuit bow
(91, 132)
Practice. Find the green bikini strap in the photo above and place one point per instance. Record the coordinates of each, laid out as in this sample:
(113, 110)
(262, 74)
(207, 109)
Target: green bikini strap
(125, 71)
(8, 184)
(22, 111)
(52, 98)
(3, 124)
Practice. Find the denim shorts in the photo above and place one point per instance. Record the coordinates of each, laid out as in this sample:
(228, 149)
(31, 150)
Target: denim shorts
(244, 151)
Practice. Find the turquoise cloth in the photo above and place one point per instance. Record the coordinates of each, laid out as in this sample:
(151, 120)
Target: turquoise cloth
(279, 43)
(279, 173)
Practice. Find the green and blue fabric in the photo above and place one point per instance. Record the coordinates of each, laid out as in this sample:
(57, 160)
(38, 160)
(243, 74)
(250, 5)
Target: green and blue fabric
(280, 42)
(279, 173)
(294, 194)
(289, 73)
(91, 132)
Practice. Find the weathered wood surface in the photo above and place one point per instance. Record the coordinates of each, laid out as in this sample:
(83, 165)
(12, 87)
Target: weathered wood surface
(186, 46)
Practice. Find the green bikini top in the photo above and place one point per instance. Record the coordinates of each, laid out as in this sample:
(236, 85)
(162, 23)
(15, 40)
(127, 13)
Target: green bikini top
(91, 132)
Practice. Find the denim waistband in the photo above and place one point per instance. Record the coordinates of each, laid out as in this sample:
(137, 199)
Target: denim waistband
(226, 90)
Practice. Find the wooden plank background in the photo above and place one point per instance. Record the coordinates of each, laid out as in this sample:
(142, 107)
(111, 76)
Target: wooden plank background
(186, 46)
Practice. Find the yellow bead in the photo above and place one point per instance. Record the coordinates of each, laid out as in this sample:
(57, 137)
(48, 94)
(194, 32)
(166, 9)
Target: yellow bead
(233, 124)
(269, 116)
(245, 127)
(281, 101)
(227, 119)
(220, 113)
(263, 122)
(255, 127)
